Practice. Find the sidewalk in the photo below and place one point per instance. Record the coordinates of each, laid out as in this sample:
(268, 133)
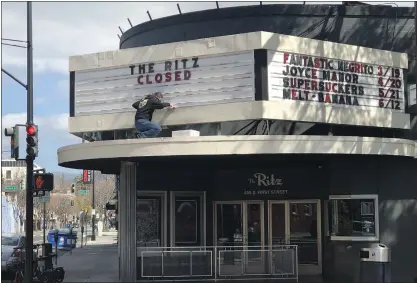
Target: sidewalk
(95, 262)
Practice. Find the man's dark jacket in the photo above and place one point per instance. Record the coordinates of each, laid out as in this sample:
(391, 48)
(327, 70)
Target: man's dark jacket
(146, 106)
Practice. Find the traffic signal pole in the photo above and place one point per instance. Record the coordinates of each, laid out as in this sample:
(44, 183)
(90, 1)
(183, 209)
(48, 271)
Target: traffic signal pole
(93, 204)
(29, 158)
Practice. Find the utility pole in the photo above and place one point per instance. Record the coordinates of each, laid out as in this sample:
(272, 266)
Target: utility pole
(415, 42)
(93, 206)
(44, 223)
(31, 151)
(29, 158)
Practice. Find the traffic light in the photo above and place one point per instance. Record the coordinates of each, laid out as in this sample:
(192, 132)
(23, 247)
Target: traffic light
(32, 140)
(10, 132)
(16, 144)
(43, 182)
(72, 189)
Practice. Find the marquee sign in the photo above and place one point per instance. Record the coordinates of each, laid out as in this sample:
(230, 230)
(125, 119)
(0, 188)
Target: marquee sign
(336, 82)
(185, 82)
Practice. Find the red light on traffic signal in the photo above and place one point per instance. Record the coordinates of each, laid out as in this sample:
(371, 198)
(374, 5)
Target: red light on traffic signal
(31, 130)
(39, 183)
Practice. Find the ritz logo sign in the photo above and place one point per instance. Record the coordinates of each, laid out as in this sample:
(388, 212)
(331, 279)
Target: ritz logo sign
(265, 185)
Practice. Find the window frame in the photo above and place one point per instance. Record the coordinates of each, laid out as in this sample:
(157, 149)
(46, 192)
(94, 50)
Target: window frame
(202, 198)
(375, 238)
(163, 197)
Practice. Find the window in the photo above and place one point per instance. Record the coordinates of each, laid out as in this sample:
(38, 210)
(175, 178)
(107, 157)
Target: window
(14, 163)
(148, 222)
(354, 218)
(187, 219)
(8, 174)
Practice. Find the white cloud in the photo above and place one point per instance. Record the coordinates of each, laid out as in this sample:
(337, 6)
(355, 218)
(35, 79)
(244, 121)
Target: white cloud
(62, 29)
(54, 127)
(57, 122)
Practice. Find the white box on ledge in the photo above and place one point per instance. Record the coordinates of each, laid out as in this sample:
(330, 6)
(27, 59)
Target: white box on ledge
(186, 133)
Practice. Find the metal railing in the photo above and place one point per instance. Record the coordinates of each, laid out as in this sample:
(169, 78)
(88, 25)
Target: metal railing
(220, 262)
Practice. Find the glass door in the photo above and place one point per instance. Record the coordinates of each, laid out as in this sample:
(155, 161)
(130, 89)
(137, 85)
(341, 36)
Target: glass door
(254, 240)
(254, 224)
(305, 232)
(239, 235)
(229, 224)
(298, 223)
(240, 223)
(277, 223)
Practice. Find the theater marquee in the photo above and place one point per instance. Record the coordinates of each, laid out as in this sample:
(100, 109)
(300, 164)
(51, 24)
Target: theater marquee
(188, 81)
(336, 82)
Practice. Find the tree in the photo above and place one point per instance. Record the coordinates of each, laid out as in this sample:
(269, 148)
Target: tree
(60, 201)
(104, 190)
(60, 206)
(104, 186)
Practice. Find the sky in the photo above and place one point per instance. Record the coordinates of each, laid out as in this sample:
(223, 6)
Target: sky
(60, 30)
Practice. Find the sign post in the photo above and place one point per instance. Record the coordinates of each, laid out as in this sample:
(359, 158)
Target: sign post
(44, 199)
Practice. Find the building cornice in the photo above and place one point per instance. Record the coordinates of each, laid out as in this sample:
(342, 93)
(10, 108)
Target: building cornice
(289, 110)
(236, 43)
(70, 155)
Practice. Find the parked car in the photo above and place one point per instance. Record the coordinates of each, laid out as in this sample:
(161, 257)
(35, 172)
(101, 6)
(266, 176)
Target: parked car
(10, 256)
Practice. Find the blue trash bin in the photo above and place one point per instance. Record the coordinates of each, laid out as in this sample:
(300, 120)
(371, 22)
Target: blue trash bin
(66, 239)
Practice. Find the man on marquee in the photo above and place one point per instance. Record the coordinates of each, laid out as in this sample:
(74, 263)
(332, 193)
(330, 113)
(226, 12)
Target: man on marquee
(144, 111)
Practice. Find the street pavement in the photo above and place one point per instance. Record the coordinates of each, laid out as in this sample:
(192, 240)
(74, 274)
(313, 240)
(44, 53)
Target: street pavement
(95, 261)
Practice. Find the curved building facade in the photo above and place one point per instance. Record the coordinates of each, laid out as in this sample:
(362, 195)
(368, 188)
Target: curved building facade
(288, 152)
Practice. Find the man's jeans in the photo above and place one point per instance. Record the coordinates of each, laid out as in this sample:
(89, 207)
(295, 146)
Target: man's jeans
(147, 129)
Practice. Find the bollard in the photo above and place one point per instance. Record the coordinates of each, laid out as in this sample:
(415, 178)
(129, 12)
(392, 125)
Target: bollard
(56, 246)
(82, 235)
(70, 237)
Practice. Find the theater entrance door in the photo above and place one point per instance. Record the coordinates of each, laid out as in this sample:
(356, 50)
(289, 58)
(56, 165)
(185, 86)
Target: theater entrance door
(298, 222)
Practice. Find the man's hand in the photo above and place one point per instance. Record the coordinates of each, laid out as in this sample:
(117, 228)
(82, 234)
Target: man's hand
(172, 106)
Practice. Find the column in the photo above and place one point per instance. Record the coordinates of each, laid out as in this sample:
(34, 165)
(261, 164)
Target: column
(127, 224)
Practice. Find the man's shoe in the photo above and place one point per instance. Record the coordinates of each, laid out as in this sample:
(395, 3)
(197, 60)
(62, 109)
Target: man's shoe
(139, 136)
